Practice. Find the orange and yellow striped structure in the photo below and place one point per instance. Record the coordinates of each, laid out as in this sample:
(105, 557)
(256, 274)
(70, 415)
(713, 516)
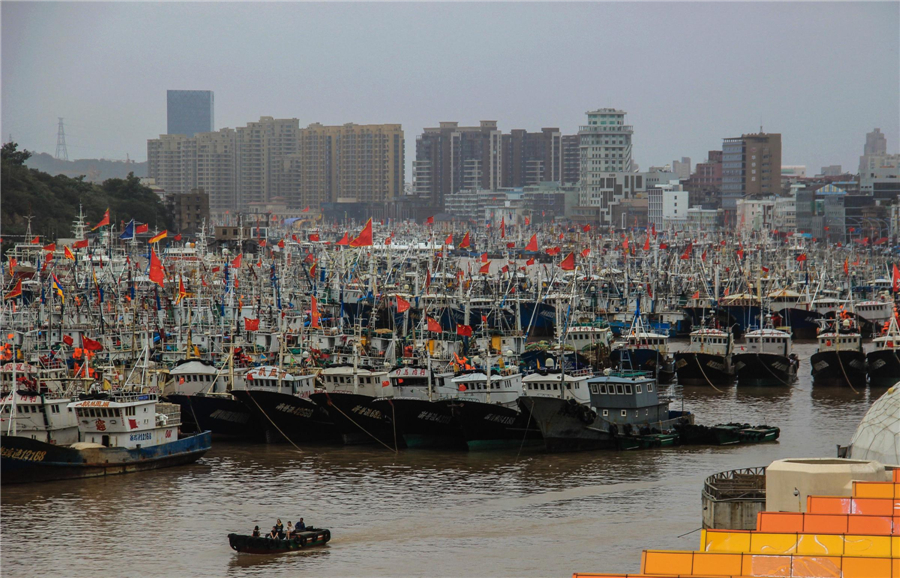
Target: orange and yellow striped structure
(837, 537)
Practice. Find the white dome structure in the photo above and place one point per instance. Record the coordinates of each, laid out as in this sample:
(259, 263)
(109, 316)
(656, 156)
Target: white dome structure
(878, 435)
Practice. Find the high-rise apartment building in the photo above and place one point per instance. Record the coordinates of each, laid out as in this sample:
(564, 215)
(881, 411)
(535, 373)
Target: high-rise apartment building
(451, 158)
(751, 167)
(571, 159)
(682, 168)
(605, 146)
(274, 161)
(189, 112)
(530, 158)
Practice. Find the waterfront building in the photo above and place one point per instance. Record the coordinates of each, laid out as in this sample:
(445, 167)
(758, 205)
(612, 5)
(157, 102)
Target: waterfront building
(189, 112)
(751, 167)
(682, 168)
(667, 205)
(190, 210)
(755, 214)
(531, 157)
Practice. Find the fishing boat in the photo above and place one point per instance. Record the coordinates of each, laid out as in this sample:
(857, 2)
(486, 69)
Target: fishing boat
(707, 359)
(765, 359)
(309, 538)
(280, 403)
(120, 433)
(839, 360)
(204, 394)
(623, 404)
(883, 362)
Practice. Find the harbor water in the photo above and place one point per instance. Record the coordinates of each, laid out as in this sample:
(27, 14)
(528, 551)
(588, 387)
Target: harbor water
(419, 512)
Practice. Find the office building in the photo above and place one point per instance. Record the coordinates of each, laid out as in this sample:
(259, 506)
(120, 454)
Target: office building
(876, 145)
(189, 112)
(571, 159)
(530, 158)
(751, 167)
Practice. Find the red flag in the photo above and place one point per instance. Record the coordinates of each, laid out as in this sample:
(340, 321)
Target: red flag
(36, 241)
(649, 291)
(527, 221)
(663, 246)
(157, 274)
(801, 257)
(625, 244)
(647, 243)
(585, 253)
(306, 210)
(365, 236)
(485, 269)
(484, 258)
(427, 278)
(505, 269)
(449, 239)
(502, 227)
(314, 313)
(402, 304)
(345, 240)
(309, 258)
(740, 254)
(15, 292)
(251, 324)
(568, 264)
(510, 245)
(89, 344)
(532, 244)
(177, 237)
(80, 244)
(653, 229)
(281, 243)
(429, 221)
(465, 243)
(103, 222)
(67, 339)
(50, 247)
(236, 264)
(895, 278)
(530, 262)
(263, 243)
(464, 330)
(434, 325)
(561, 236)
(145, 228)
(703, 255)
(846, 266)
(696, 295)
(586, 228)
(687, 252)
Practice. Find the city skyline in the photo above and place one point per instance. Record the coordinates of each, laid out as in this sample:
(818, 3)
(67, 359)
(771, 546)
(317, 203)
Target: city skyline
(689, 75)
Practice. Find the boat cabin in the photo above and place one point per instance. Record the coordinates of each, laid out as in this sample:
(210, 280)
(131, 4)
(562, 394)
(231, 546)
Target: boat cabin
(627, 397)
(581, 336)
(549, 383)
(127, 420)
(361, 380)
(711, 341)
(767, 341)
(505, 386)
(271, 379)
(192, 377)
(44, 418)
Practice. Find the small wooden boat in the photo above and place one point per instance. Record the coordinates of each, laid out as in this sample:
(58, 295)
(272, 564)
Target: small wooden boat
(759, 434)
(298, 541)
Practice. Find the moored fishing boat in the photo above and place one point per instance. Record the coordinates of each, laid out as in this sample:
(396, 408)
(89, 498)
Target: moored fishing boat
(707, 359)
(883, 362)
(839, 360)
(120, 433)
(765, 359)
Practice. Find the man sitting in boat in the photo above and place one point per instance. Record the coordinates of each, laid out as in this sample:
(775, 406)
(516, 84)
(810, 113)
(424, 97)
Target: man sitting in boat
(300, 525)
(255, 532)
(273, 534)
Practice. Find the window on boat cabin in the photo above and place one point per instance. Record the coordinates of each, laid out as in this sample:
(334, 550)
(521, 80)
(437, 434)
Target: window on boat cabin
(542, 387)
(594, 388)
(627, 390)
(602, 389)
(649, 387)
(637, 389)
(619, 388)
(605, 413)
(556, 386)
(624, 413)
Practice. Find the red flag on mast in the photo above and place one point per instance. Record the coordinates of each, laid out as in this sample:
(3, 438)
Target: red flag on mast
(532, 244)
(568, 264)
(365, 236)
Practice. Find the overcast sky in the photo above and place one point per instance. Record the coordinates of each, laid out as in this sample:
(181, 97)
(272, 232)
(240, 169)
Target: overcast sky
(821, 74)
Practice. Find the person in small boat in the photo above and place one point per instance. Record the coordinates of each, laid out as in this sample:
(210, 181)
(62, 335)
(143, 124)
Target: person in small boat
(279, 526)
(290, 530)
(255, 532)
(300, 526)
(273, 534)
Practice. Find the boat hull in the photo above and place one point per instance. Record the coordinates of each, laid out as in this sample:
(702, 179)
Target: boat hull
(703, 369)
(24, 460)
(218, 414)
(490, 425)
(288, 416)
(764, 370)
(358, 421)
(251, 545)
(425, 424)
(883, 367)
(838, 368)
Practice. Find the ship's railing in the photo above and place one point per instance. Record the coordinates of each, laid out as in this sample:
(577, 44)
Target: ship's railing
(747, 484)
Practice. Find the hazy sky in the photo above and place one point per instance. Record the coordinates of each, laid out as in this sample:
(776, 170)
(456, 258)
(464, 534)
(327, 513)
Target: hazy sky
(822, 74)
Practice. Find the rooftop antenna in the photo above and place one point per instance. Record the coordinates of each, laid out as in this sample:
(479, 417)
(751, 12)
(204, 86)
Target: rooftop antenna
(61, 152)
